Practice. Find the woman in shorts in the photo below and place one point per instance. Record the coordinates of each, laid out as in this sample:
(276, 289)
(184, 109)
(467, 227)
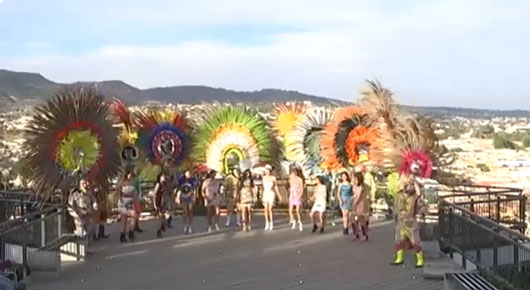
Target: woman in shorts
(210, 191)
(187, 185)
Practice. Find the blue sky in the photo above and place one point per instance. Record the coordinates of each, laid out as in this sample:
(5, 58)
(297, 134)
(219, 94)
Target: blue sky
(466, 53)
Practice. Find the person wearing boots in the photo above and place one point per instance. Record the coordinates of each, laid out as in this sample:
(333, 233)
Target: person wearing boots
(232, 191)
(100, 214)
(81, 207)
(408, 205)
(126, 191)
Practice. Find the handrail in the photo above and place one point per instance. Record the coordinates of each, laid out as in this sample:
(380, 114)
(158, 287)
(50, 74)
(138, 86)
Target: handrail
(488, 221)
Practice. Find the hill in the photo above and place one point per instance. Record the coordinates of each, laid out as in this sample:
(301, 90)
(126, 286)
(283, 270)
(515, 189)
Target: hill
(15, 86)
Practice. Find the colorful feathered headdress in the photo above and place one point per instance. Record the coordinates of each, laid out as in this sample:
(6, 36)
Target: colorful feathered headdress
(70, 137)
(305, 148)
(230, 136)
(286, 118)
(130, 152)
(408, 140)
(164, 136)
(348, 138)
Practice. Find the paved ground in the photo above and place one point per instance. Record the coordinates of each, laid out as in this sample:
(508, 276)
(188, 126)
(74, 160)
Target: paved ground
(230, 259)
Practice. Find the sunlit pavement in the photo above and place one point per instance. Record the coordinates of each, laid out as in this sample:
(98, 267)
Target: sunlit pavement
(232, 259)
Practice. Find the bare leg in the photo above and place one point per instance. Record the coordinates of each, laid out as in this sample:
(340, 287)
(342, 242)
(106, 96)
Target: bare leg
(298, 215)
(190, 214)
(271, 216)
(291, 215)
(321, 217)
(267, 219)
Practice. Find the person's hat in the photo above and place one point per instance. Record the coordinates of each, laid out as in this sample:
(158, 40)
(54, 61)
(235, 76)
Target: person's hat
(268, 166)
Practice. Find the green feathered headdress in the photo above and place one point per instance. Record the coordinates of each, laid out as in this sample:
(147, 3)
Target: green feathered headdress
(230, 136)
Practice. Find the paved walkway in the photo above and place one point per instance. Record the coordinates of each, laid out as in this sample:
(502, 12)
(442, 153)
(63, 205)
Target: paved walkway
(230, 259)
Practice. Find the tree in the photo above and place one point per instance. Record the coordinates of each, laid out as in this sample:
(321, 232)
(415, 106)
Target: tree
(526, 140)
(501, 141)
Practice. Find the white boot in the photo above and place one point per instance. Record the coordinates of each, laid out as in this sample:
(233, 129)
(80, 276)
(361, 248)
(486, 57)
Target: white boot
(266, 226)
(300, 226)
(293, 225)
(271, 226)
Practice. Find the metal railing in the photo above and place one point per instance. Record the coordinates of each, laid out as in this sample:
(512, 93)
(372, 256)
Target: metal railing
(28, 225)
(501, 255)
(503, 205)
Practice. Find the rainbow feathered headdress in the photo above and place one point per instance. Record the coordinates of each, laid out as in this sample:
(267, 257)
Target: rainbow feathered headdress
(230, 137)
(164, 136)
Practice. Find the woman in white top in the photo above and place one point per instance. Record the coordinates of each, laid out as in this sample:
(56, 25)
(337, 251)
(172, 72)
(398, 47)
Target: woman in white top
(319, 205)
(127, 192)
(270, 192)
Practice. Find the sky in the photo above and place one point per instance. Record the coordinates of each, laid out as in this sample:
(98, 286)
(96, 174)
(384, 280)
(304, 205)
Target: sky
(460, 53)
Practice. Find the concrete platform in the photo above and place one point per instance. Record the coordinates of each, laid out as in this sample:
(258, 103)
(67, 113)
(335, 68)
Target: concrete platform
(231, 259)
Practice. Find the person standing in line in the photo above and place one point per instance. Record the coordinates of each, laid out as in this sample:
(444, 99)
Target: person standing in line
(137, 203)
(319, 203)
(360, 207)
(345, 195)
(100, 214)
(331, 199)
(246, 199)
(170, 199)
(81, 207)
(162, 198)
(187, 187)
(270, 192)
(296, 191)
(232, 191)
(210, 190)
(127, 190)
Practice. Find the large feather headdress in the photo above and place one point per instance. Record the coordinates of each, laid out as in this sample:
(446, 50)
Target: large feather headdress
(130, 152)
(232, 137)
(70, 137)
(164, 136)
(286, 118)
(408, 139)
(306, 137)
(348, 138)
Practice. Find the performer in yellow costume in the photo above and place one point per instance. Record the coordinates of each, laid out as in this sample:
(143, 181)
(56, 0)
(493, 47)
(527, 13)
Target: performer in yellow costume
(408, 206)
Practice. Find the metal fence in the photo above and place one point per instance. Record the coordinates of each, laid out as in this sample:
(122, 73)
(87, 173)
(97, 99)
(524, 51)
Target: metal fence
(503, 205)
(28, 225)
(499, 253)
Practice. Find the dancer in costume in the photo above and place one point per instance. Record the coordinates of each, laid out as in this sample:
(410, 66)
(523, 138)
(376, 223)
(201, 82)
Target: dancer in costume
(187, 188)
(408, 140)
(81, 207)
(246, 199)
(408, 205)
(70, 140)
(270, 193)
(232, 191)
(319, 203)
(345, 197)
(210, 190)
(164, 137)
(130, 153)
(296, 191)
(100, 214)
(360, 207)
(127, 190)
(163, 191)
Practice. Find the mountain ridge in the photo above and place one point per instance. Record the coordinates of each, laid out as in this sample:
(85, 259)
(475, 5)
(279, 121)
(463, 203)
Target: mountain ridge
(30, 86)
